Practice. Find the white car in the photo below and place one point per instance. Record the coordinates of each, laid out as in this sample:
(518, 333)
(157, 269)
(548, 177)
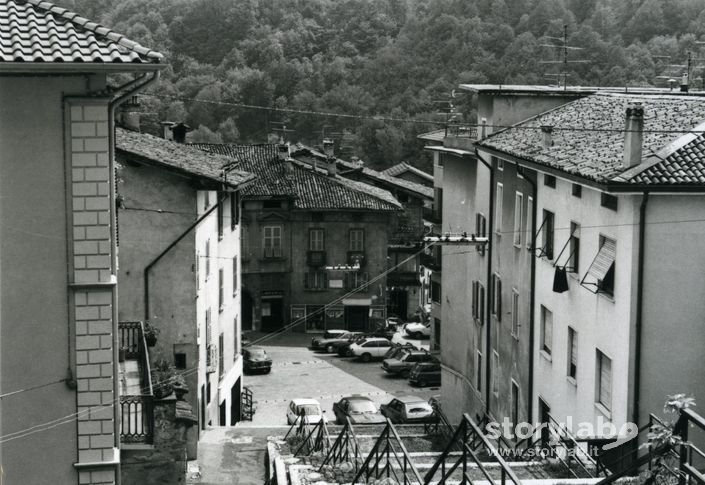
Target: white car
(370, 348)
(310, 408)
(418, 330)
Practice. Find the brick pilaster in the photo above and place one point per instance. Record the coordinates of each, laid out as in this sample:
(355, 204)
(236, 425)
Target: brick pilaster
(91, 275)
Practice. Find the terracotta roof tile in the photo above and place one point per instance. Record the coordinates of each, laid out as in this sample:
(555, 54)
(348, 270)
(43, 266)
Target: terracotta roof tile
(179, 157)
(38, 31)
(402, 167)
(308, 189)
(598, 154)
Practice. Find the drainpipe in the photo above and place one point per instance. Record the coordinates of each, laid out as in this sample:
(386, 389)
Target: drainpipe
(129, 89)
(532, 302)
(639, 305)
(488, 316)
(169, 248)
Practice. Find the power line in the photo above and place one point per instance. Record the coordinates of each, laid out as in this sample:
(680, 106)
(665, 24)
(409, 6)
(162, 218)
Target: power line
(422, 122)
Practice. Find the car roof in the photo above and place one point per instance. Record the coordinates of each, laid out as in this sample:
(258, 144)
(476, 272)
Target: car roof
(410, 399)
(304, 401)
(357, 398)
(371, 339)
(255, 348)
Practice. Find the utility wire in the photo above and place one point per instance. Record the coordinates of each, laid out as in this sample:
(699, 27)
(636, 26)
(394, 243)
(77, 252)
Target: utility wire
(74, 416)
(32, 388)
(415, 121)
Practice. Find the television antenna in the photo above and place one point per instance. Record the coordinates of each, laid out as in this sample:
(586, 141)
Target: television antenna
(280, 129)
(562, 44)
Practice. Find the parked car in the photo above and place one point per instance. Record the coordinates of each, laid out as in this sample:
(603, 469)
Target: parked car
(327, 335)
(331, 344)
(309, 407)
(398, 349)
(255, 359)
(344, 350)
(370, 348)
(407, 409)
(418, 330)
(359, 409)
(426, 374)
(402, 365)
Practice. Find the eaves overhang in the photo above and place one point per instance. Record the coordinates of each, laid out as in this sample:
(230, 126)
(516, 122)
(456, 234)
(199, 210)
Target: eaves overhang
(28, 68)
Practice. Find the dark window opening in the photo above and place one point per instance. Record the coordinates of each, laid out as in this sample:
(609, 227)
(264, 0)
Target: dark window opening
(609, 201)
(435, 292)
(272, 204)
(549, 181)
(577, 190)
(180, 360)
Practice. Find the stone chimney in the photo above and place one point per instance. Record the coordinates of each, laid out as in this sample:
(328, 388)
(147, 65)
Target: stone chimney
(547, 136)
(328, 147)
(283, 154)
(179, 131)
(633, 135)
(166, 130)
(130, 114)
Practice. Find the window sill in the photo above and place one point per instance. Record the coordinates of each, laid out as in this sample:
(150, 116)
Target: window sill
(572, 381)
(515, 336)
(603, 410)
(517, 246)
(606, 296)
(546, 356)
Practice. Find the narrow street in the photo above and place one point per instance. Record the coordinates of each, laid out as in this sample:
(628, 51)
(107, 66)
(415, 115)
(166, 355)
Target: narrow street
(297, 372)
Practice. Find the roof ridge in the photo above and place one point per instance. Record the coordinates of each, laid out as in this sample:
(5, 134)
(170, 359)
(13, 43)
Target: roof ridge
(95, 28)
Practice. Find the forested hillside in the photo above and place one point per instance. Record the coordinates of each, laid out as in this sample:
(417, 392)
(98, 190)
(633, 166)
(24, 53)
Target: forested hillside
(390, 58)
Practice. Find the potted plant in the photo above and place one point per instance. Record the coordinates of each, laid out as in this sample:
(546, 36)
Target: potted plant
(150, 334)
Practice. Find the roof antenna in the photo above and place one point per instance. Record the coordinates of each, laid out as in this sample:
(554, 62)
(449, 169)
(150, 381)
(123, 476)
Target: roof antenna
(563, 75)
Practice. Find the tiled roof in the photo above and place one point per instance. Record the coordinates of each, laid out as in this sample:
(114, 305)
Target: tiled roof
(40, 32)
(685, 166)
(179, 157)
(307, 155)
(588, 138)
(309, 189)
(400, 168)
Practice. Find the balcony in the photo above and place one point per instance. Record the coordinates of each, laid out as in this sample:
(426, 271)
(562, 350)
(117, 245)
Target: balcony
(136, 395)
(316, 259)
(460, 136)
(356, 257)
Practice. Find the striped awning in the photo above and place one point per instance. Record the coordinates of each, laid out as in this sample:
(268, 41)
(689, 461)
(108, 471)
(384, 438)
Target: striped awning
(604, 260)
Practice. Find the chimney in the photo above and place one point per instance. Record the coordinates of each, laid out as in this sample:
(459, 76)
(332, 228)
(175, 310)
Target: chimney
(633, 135)
(130, 114)
(283, 155)
(328, 147)
(684, 83)
(179, 131)
(547, 140)
(166, 130)
(483, 128)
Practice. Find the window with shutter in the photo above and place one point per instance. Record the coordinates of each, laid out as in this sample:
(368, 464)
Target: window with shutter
(604, 380)
(572, 353)
(546, 330)
(515, 313)
(530, 243)
(518, 218)
(499, 196)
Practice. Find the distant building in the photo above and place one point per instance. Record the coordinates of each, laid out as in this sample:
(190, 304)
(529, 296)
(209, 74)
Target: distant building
(410, 173)
(179, 264)
(60, 415)
(404, 291)
(313, 244)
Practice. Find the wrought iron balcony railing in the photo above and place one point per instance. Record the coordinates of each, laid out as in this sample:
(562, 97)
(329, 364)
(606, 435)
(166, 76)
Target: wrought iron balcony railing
(136, 408)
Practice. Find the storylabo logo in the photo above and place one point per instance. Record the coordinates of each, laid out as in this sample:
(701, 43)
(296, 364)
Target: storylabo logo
(583, 430)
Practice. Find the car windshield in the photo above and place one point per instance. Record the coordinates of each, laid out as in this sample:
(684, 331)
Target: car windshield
(257, 353)
(419, 408)
(362, 407)
(308, 409)
(346, 336)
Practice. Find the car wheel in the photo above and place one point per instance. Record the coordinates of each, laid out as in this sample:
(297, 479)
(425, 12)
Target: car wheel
(268, 371)
(330, 349)
(366, 357)
(405, 373)
(422, 383)
(348, 353)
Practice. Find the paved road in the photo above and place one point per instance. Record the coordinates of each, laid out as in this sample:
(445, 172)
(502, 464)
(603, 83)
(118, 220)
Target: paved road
(235, 455)
(298, 372)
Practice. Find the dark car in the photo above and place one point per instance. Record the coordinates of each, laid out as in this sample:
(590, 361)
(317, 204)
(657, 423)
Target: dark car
(331, 344)
(426, 374)
(402, 366)
(255, 360)
(358, 409)
(408, 409)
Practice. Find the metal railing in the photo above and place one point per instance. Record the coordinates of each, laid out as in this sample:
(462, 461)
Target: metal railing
(137, 410)
(440, 425)
(345, 448)
(471, 439)
(314, 438)
(389, 459)
(247, 409)
(462, 131)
